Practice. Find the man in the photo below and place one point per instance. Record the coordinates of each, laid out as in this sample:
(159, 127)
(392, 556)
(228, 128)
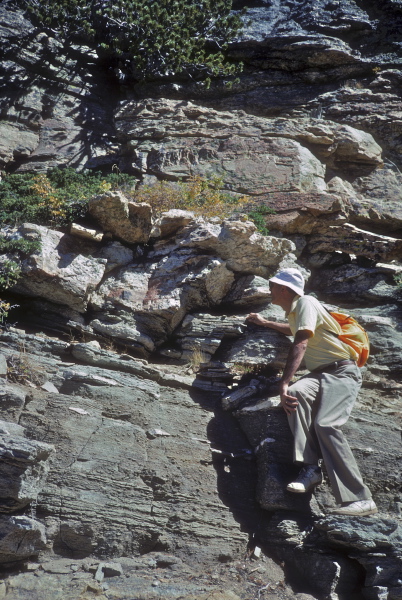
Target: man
(318, 404)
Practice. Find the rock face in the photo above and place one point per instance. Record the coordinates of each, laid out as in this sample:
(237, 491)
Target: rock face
(152, 486)
(139, 301)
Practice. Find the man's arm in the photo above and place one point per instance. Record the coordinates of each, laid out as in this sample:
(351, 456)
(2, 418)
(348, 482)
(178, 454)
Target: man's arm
(257, 319)
(295, 357)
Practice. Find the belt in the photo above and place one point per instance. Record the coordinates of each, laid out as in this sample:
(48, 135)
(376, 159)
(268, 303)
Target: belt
(333, 366)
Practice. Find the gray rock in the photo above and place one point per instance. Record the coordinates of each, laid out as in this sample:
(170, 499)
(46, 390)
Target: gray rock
(3, 366)
(60, 565)
(23, 469)
(245, 163)
(267, 430)
(128, 221)
(239, 245)
(350, 239)
(204, 333)
(351, 282)
(20, 538)
(48, 386)
(170, 222)
(116, 255)
(85, 233)
(58, 273)
(12, 401)
(313, 108)
(7, 428)
(260, 347)
(249, 291)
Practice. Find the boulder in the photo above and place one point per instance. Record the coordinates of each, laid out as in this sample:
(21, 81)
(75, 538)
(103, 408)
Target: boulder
(20, 538)
(58, 272)
(170, 222)
(378, 199)
(350, 239)
(249, 290)
(204, 333)
(371, 108)
(142, 303)
(239, 245)
(260, 347)
(352, 145)
(86, 233)
(304, 213)
(128, 221)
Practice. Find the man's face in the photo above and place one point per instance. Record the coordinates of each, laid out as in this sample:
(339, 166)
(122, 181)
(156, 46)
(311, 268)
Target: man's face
(280, 295)
(276, 290)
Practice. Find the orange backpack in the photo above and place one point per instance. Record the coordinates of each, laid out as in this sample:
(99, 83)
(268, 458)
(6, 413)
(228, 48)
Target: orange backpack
(354, 335)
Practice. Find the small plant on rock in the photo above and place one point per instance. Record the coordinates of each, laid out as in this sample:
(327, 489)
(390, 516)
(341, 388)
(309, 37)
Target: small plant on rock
(257, 216)
(203, 197)
(197, 358)
(10, 272)
(19, 246)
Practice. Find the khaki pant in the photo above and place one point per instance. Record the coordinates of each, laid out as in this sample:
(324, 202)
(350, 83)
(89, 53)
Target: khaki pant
(325, 403)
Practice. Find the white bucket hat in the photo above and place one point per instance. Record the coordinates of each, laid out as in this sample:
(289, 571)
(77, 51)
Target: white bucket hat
(291, 278)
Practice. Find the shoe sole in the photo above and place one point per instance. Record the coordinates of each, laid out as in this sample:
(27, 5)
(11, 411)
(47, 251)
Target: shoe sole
(365, 513)
(303, 491)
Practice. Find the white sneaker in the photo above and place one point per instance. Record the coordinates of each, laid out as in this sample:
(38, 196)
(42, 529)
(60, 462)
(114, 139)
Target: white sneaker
(360, 508)
(309, 476)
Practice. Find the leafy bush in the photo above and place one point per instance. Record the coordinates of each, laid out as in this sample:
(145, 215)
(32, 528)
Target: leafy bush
(257, 216)
(56, 198)
(149, 37)
(21, 246)
(10, 271)
(199, 195)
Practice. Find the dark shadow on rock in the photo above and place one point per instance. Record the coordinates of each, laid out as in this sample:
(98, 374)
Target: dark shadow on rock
(235, 466)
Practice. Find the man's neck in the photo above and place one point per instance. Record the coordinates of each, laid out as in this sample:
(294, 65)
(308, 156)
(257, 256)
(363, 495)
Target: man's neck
(287, 304)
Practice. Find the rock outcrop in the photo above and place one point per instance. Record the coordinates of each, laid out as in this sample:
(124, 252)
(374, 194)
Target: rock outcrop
(122, 470)
(119, 484)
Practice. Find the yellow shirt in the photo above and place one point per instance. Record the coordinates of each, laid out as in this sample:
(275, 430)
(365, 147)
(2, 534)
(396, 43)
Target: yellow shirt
(323, 347)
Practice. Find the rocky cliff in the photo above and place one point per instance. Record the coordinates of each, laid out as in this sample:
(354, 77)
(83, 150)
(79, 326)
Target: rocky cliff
(124, 475)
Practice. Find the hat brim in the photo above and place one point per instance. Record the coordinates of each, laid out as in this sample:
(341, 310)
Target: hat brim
(299, 291)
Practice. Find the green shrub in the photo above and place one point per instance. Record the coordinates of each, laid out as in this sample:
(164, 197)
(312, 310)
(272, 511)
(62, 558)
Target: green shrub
(398, 279)
(257, 216)
(56, 198)
(10, 271)
(19, 246)
(148, 37)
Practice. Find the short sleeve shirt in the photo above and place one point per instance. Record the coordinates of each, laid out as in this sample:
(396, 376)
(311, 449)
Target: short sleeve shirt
(323, 347)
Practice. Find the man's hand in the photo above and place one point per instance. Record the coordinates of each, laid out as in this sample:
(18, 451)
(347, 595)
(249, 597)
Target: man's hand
(289, 403)
(256, 318)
